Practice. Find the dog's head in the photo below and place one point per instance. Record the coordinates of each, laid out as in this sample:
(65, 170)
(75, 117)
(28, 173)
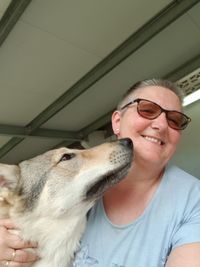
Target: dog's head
(61, 179)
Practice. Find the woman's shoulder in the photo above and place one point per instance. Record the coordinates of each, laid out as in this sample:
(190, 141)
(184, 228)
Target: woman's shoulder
(179, 174)
(181, 183)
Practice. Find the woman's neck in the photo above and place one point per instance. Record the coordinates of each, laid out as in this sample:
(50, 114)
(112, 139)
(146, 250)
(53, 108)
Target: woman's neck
(127, 200)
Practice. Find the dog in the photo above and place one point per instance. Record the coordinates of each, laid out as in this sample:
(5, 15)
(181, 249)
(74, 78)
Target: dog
(48, 196)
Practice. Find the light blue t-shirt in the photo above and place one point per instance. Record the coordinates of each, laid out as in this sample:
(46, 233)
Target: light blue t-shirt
(171, 219)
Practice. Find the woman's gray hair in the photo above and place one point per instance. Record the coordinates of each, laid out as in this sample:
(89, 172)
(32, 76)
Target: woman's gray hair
(151, 82)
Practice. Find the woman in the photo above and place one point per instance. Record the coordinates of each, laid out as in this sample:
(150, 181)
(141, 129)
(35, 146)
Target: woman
(152, 217)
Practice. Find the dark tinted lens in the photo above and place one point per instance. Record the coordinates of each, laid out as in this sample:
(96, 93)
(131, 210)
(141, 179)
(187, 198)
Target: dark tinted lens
(148, 109)
(177, 120)
(151, 110)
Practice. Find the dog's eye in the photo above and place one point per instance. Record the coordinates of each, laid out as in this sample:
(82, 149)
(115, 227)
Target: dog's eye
(67, 156)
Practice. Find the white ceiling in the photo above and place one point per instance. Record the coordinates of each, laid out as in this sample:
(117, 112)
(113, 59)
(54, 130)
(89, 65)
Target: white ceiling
(77, 51)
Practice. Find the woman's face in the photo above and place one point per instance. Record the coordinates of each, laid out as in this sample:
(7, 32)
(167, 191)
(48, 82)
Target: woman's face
(154, 141)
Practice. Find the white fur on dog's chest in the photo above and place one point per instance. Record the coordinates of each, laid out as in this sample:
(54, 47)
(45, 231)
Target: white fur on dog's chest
(57, 249)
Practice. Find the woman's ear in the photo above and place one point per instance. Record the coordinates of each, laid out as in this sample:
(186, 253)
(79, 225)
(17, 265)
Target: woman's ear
(116, 122)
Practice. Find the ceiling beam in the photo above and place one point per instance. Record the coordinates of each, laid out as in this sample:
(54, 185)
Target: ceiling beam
(21, 133)
(10, 145)
(18, 131)
(11, 16)
(185, 69)
(163, 19)
(58, 134)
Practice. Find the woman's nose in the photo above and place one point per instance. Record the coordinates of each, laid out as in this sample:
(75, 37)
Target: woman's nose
(160, 122)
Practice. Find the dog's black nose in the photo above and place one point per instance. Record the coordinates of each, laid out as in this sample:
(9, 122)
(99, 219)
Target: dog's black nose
(126, 142)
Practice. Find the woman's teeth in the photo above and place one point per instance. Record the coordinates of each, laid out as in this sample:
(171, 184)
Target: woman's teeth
(153, 139)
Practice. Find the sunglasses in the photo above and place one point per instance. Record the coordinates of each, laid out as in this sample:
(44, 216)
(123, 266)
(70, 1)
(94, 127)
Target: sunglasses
(150, 110)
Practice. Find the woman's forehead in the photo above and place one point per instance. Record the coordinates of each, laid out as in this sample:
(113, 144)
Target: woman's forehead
(160, 95)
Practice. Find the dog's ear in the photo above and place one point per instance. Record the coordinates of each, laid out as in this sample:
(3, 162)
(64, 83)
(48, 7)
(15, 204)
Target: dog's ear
(9, 175)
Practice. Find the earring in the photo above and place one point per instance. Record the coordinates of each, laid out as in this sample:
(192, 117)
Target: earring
(117, 130)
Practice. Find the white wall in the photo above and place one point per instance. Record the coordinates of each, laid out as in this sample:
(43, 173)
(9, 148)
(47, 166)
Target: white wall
(188, 154)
